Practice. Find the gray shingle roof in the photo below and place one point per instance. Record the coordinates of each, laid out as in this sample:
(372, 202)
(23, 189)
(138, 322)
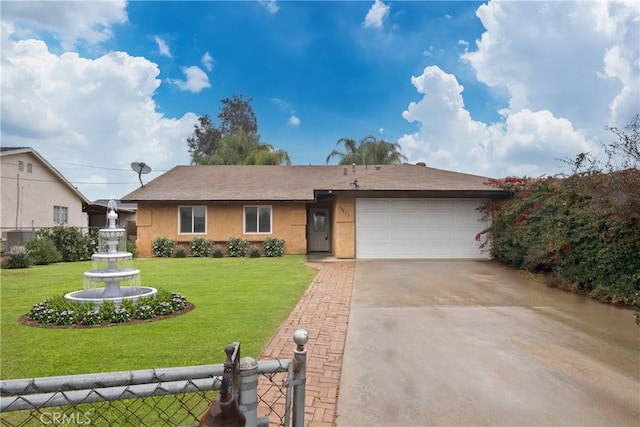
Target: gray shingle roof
(296, 183)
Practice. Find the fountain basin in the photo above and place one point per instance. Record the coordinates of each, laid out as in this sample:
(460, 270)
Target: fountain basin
(96, 296)
(115, 257)
(120, 274)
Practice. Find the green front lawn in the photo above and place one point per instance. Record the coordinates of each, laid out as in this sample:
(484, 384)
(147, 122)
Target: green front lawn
(236, 299)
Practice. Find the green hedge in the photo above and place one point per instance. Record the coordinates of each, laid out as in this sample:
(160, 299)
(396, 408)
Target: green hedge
(584, 230)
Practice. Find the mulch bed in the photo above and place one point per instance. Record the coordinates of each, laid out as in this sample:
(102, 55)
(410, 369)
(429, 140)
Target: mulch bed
(24, 320)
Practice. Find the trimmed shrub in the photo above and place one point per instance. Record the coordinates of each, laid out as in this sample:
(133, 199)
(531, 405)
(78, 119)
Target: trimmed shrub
(132, 249)
(58, 310)
(200, 247)
(254, 252)
(120, 315)
(164, 308)
(67, 317)
(42, 251)
(144, 312)
(273, 247)
(217, 252)
(178, 301)
(18, 257)
(237, 247)
(93, 317)
(106, 309)
(180, 253)
(163, 247)
(72, 244)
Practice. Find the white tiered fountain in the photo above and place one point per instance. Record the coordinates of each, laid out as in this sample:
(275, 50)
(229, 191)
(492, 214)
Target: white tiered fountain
(119, 282)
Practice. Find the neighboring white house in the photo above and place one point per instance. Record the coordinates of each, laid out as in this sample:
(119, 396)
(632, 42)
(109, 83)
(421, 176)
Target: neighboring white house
(35, 195)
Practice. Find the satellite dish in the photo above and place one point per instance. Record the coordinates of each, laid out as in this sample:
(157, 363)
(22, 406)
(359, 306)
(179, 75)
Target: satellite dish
(140, 168)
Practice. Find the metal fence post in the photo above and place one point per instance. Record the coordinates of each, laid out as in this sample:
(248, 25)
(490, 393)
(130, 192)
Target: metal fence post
(248, 385)
(300, 337)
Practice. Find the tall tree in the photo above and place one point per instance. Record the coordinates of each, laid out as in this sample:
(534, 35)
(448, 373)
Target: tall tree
(237, 114)
(241, 148)
(204, 141)
(368, 151)
(235, 141)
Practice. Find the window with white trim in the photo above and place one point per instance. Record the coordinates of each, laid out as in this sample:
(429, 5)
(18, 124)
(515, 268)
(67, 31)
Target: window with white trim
(192, 219)
(257, 219)
(60, 214)
(29, 167)
(20, 165)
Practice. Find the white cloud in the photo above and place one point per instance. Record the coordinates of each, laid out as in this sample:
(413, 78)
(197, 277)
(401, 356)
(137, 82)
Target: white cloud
(568, 68)
(70, 22)
(527, 143)
(207, 61)
(294, 120)
(163, 48)
(376, 15)
(281, 103)
(577, 59)
(196, 80)
(381, 131)
(270, 5)
(79, 111)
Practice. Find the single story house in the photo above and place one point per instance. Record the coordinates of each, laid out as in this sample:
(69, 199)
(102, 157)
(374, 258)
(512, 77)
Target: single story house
(358, 211)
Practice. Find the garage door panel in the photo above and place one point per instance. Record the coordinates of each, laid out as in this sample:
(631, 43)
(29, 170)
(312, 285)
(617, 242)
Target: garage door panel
(418, 228)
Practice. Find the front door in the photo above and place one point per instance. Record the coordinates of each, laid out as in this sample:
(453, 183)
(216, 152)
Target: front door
(319, 230)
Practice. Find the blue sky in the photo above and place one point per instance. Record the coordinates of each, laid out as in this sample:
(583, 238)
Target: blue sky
(493, 88)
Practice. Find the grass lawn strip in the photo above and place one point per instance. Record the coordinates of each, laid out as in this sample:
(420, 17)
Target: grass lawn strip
(236, 299)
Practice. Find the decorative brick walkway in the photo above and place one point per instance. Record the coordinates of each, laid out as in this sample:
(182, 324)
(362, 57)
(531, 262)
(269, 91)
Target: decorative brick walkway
(323, 311)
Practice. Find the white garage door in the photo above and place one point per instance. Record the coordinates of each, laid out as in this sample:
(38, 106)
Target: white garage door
(418, 228)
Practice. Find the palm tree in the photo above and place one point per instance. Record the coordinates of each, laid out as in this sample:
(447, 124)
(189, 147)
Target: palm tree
(368, 151)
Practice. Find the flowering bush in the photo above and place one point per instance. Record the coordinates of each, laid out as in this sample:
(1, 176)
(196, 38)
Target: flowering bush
(58, 310)
(106, 309)
(575, 229)
(18, 257)
(91, 317)
(273, 247)
(200, 247)
(164, 308)
(144, 312)
(163, 247)
(67, 317)
(178, 302)
(237, 247)
(120, 315)
(40, 312)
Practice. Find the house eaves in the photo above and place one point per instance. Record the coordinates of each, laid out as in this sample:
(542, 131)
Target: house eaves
(28, 150)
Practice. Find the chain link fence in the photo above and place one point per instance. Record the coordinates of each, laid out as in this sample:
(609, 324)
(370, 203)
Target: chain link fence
(154, 398)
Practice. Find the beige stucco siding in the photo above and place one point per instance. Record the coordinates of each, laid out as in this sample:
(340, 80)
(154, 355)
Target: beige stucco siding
(223, 221)
(344, 227)
(28, 196)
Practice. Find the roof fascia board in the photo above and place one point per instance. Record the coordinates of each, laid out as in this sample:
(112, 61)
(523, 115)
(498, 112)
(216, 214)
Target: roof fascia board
(468, 194)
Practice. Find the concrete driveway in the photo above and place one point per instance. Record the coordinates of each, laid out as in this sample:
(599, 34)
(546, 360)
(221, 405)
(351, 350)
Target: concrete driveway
(466, 343)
